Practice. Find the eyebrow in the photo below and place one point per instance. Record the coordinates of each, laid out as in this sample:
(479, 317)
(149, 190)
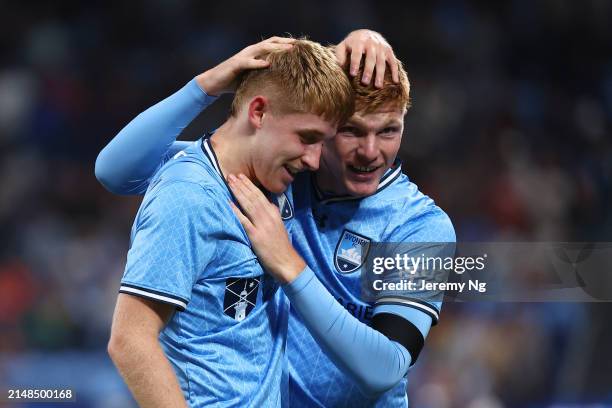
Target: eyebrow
(362, 123)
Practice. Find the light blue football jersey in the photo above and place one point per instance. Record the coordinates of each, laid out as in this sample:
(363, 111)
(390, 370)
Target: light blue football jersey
(324, 228)
(227, 340)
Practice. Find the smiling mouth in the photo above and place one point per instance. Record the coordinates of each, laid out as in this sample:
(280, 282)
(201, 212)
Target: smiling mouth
(363, 169)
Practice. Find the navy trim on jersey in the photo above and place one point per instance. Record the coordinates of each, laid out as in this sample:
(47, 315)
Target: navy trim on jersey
(210, 154)
(180, 303)
(390, 175)
(404, 332)
(414, 303)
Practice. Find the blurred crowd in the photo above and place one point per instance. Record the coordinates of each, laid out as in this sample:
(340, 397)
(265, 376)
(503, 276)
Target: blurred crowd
(510, 133)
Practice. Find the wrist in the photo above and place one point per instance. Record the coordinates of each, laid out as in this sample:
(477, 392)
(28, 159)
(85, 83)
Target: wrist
(289, 270)
(206, 83)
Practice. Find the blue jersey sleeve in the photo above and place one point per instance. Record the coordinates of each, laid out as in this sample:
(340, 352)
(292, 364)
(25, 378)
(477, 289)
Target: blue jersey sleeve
(374, 361)
(126, 164)
(431, 236)
(171, 247)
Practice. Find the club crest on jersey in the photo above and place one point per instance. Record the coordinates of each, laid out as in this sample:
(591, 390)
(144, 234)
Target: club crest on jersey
(351, 251)
(240, 297)
(284, 205)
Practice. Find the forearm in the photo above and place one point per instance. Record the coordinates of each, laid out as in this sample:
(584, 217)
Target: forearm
(134, 154)
(148, 373)
(374, 361)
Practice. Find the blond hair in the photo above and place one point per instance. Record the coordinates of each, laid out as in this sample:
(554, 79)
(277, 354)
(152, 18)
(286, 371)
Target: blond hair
(304, 79)
(392, 95)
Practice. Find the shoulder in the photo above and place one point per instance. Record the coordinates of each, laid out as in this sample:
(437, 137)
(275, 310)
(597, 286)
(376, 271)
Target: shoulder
(180, 200)
(186, 169)
(416, 215)
(434, 225)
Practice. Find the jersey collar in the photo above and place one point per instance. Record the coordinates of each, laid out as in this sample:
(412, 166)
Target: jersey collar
(390, 175)
(210, 154)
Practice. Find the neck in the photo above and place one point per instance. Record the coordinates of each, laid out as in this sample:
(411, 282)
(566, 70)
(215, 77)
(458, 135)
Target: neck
(232, 149)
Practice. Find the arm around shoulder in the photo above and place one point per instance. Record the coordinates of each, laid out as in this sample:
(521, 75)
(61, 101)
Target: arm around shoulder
(126, 163)
(374, 361)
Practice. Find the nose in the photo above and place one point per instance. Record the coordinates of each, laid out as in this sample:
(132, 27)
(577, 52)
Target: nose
(368, 148)
(311, 156)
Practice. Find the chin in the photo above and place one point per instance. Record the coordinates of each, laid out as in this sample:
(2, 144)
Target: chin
(276, 188)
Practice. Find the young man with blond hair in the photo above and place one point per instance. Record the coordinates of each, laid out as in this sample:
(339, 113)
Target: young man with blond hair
(197, 322)
(343, 350)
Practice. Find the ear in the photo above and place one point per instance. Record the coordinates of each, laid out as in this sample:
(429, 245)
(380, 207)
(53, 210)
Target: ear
(258, 107)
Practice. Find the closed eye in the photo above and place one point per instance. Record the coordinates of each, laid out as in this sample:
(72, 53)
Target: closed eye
(311, 137)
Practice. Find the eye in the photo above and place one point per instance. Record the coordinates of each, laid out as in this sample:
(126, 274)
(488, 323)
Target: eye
(390, 129)
(389, 132)
(347, 129)
(310, 137)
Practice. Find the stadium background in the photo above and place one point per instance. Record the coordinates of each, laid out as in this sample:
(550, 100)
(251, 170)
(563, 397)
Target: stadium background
(509, 133)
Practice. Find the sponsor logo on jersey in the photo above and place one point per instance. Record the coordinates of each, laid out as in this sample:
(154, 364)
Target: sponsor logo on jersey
(284, 205)
(351, 251)
(240, 297)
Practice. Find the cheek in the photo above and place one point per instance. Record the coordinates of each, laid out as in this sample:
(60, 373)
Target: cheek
(391, 149)
(341, 150)
(332, 158)
(327, 150)
(266, 161)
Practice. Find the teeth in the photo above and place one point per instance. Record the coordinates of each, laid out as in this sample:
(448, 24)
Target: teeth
(364, 169)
